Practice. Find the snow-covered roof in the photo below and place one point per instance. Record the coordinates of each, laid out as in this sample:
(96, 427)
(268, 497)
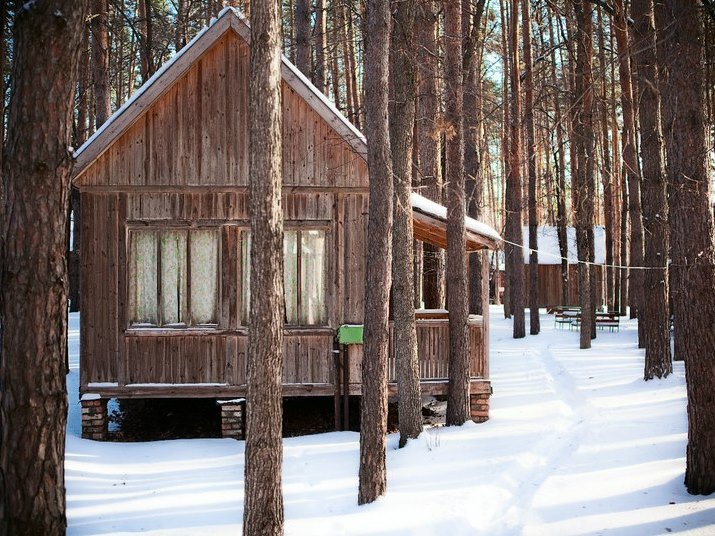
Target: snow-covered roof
(548, 244)
(434, 216)
(152, 89)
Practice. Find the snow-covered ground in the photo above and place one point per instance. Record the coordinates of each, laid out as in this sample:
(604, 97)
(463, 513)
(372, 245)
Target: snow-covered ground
(577, 443)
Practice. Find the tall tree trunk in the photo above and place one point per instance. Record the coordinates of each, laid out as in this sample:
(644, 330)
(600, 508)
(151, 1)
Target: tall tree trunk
(534, 324)
(100, 61)
(350, 102)
(428, 143)
(458, 390)
(373, 407)
(402, 120)
(655, 318)
(607, 170)
(263, 502)
(513, 248)
(73, 265)
(146, 38)
(33, 271)
(319, 34)
(560, 165)
(630, 159)
(302, 36)
(583, 137)
(473, 43)
(693, 249)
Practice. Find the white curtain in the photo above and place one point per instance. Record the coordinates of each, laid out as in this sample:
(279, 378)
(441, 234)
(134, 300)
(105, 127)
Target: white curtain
(204, 276)
(173, 277)
(312, 276)
(290, 275)
(142, 278)
(246, 276)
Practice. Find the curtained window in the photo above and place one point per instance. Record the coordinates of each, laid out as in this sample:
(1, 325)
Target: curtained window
(303, 276)
(173, 277)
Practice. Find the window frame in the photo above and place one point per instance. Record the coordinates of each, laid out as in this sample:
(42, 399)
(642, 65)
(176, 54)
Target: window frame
(157, 230)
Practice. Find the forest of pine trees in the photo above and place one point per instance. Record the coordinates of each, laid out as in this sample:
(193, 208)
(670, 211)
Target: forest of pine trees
(541, 112)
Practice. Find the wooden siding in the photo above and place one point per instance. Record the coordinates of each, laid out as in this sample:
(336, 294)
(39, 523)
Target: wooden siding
(196, 134)
(114, 353)
(549, 285)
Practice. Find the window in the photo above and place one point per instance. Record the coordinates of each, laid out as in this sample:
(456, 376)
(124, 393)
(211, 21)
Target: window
(173, 277)
(303, 277)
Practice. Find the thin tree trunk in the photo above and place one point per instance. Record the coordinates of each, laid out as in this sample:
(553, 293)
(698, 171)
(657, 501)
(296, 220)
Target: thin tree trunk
(347, 62)
(630, 180)
(534, 324)
(352, 72)
(263, 501)
(607, 170)
(302, 36)
(693, 249)
(560, 165)
(584, 149)
(513, 248)
(319, 40)
(373, 407)
(146, 34)
(458, 390)
(655, 318)
(100, 62)
(402, 120)
(473, 43)
(33, 270)
(428, 144)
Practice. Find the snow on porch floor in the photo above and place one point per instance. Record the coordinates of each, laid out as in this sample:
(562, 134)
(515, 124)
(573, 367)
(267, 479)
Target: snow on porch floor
(577, 444)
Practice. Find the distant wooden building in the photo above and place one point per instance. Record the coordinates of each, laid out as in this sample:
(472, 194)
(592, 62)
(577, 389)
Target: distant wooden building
(549, 270)
(166, 233)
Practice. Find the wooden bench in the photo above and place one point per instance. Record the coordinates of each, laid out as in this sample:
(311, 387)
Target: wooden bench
(609, 321)
(565, 315)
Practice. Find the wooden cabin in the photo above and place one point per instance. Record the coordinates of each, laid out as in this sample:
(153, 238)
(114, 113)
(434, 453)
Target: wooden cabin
(549, 266)
(166, 233)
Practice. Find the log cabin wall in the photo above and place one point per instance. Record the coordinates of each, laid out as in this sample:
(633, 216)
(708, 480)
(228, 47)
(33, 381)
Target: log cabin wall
(114, 352)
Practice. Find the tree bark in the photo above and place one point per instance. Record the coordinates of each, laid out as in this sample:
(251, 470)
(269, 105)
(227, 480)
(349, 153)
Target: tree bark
(534, 323)
(302, 36)
(33, 277)
(263, 503)
(630, 159)
(402, 119)
(583, 139)
(428, 144)
(560, 165)
(656, 316)
(692, 226)
(473, 132)
(373, 407)
(146, 38)
(458, 390)
(607, 175)
(319, 34)
(100, 62)
(513, 248)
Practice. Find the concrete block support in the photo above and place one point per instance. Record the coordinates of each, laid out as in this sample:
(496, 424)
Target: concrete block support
(94, 417)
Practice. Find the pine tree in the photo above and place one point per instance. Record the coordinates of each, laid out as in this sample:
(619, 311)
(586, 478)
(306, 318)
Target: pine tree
(263, 510)
(33, 270)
